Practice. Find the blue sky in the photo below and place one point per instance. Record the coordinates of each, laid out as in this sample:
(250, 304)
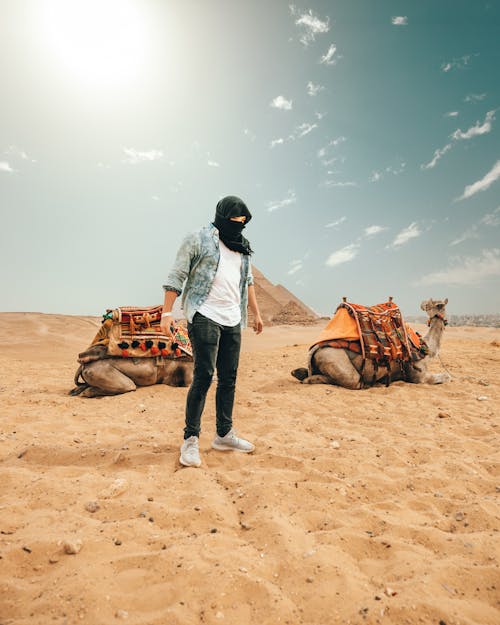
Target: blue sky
(362, 135)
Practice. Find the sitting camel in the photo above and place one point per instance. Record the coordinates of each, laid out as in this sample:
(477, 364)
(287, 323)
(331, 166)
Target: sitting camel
(103, 374)
(343, 367)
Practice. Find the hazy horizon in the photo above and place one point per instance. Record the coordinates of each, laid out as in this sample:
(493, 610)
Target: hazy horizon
(363, 137)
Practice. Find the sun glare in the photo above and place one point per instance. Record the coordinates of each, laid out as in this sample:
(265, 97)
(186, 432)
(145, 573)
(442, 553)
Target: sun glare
(100, 43)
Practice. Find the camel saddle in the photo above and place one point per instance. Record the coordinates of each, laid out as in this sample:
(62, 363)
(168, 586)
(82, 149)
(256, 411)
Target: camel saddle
(133, 332)
(379, 333)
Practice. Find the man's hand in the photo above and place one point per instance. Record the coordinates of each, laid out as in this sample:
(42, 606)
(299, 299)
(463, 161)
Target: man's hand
(165, 327)
(257, 324)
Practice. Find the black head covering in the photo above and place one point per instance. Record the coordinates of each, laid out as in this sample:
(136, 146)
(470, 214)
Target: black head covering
(230, 232)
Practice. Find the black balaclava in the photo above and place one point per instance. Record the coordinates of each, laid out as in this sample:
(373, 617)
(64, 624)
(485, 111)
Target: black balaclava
(230, 232)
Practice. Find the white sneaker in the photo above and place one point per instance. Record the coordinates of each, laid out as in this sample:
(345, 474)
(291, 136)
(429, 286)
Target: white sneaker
(231, 442)
(190, 453)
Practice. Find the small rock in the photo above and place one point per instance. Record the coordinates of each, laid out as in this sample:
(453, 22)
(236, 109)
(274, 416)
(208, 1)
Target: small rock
(53, 558)
(482, 398)
(438, 494)
(335, 445)
(150, 499)
(390, 592)
(444, 415)
(459, 516)
(243, 569)
(121, 614)
(197, 508)
(71, 547)
(115, 489)
(244, 526)
(219, 615)
(120, 457)
(117, 542)
(213, 530)
(27, 549)
(151, 520)
(483, 382)
(309, 580)
(142, 514)
(92, 506)
(77, 440)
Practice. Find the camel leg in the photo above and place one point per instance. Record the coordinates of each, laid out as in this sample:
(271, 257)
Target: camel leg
(337, 368)
(104, 379)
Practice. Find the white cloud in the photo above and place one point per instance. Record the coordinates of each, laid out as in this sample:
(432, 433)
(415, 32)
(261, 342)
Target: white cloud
(334, 183)
(474, 97)
(310, 24)
(248, 133)
(275, 142)
(459, 63)
(305, 129)
(13, 150)
(376, 176)
(371, 231)
(477, 129)
(458, 135)
(411, 232)
(4, 166)
(338, 141)
(336, 223)
(134, 156)
(470, 270)
(313, 89)
(296, 265)
(280, 102)
(320, 115)
(344, 255)
(211, 163)
(439, 153)
(399, 20)
(470, 233)
(451, 114)
(492, 219)
(396, 170)
(483, 184)
(327, 59)
(291, 198)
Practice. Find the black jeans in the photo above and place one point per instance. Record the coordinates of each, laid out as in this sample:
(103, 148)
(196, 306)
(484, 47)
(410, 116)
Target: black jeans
(214, 345)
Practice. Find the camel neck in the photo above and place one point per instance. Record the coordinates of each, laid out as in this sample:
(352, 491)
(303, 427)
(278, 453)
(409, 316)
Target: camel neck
(433, 336)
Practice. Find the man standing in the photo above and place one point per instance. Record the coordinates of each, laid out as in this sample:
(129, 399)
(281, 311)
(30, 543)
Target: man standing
(215, 265)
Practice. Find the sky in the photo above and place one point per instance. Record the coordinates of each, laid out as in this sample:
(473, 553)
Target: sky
(363, 136)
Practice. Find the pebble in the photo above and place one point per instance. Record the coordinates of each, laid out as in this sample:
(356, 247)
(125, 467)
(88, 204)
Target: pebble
(243, 569)
(459, 516)
(53, 559)
(71, 547)
(115, 489)
(120, 457)
(27, 549)
(444, 415)
(121, 614)
(309, 580)
(219, 615)
(150, 499)
(213, 530)
(482, 398)
(335, 445)
(92, 506)
(390, 592)
(117, 542)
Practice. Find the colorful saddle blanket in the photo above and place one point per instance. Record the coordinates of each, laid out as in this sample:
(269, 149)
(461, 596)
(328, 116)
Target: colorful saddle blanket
(132, 332)
(378, 333)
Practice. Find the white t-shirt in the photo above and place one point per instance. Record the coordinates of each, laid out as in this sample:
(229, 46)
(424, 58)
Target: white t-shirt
(223, 302)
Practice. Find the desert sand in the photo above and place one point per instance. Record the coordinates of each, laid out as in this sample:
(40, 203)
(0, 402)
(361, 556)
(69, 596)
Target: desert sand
(372, 506)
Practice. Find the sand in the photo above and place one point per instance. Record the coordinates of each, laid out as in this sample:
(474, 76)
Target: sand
(373, 506)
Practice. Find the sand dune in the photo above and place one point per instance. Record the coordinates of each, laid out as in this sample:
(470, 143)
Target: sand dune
(374, 506)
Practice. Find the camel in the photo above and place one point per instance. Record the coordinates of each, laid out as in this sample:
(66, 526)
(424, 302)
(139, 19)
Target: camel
(103, 374)
(342, 367)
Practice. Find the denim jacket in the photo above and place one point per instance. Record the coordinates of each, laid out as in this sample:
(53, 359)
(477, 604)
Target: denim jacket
(196, 263)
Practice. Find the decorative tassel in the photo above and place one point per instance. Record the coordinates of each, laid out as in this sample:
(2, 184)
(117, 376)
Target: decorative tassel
(178, 353)
(154, 350)
(125, 353)
(135, 344)
(143, 347)
(149, 344)
(162, 345)
(123, 345)
(165, 353)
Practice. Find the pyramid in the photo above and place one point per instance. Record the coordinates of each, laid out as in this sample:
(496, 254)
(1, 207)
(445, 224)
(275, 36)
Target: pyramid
(278, 305)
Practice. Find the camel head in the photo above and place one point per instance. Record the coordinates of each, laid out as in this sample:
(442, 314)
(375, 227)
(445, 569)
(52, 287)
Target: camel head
(435, 307)
(94, 352)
